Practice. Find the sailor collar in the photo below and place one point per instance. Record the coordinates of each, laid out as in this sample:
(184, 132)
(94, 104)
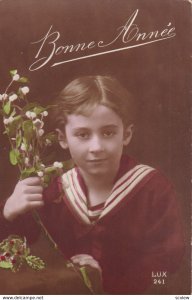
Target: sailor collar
(76, 199)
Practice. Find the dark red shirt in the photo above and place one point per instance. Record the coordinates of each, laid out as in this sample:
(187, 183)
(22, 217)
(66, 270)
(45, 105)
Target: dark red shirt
(140, 235)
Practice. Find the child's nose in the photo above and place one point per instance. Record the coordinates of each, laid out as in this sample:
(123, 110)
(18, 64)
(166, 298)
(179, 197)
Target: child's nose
(96, 144)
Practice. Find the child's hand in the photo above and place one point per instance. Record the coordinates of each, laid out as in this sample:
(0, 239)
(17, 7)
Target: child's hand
(85, 259)
(27, 195)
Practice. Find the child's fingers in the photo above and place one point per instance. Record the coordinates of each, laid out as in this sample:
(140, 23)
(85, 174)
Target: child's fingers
(36, 204)
(85, 259)
(34, 197)
(32, 189)
(79, 256)
(32, 181)
(92, 263)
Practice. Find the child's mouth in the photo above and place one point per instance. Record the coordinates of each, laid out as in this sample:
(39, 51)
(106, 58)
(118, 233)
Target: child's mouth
(97, 160)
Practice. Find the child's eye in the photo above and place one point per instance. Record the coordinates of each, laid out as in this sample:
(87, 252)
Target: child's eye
(108, 133)
(83, 135)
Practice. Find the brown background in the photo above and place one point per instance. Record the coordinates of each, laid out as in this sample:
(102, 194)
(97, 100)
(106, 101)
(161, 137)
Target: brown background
(158, 75)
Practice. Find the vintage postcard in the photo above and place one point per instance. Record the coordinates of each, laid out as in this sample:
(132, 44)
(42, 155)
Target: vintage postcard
(95, 158)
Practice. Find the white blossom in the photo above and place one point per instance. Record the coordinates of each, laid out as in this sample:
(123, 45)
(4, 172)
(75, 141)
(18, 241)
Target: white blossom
(30, 114)
(47, 142)
(23, 147)
(8, 120)
(58, 164)
(40, 173)
(45, 113)
(36, 158)
(40, 132)
(30, 148)
(33, 115)
(38, 123)
(25, 90)
(1, 97)
(42, 166)
(16, 77)
(4, 96)
(13, 97)
(26, 161)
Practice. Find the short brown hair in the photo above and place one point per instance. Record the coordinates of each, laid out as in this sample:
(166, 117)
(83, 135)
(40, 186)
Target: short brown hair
(81, 96)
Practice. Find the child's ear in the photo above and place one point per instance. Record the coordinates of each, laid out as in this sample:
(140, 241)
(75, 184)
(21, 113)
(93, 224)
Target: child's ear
(128, 133)
(62, 139)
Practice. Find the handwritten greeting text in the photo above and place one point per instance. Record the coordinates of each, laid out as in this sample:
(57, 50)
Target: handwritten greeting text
(49, 48)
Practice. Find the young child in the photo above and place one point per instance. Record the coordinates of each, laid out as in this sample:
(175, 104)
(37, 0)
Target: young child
(108, 212)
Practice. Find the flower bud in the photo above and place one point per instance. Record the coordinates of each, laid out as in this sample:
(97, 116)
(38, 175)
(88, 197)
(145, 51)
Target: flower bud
(13, 97)
(6, 121)
(38, 123)
(26, 161)
(48, 142)
(45, 113)
(40, 173)
(58, 164)
(36, 158)
(40, 132)
(4, 96)
(11, 119)
(25, 90)
(33, 115)
(16, 77)
(30, 114)
(23, 147)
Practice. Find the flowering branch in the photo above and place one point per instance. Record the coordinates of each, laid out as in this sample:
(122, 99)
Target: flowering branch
(24, 127)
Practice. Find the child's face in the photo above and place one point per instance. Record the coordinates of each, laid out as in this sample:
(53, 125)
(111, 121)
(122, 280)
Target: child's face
(96, 141)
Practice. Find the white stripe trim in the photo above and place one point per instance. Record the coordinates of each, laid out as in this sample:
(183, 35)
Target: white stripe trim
(129, 173)
(95, 213)
(120, 190)
(125, 192)
(73, 189)
(71, 200)
(77, 185)
(135, 173)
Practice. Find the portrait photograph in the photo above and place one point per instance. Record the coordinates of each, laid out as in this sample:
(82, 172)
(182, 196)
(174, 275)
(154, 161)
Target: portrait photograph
(95, 147)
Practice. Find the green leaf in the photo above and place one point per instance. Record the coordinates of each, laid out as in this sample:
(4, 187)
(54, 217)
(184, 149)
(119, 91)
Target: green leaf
(49, 170)
(6, 265)
(15, 126)
(23, 79)
(35, 262)
(13, 72)
(85, 276)
(30, 106)
(52, 136)
(13, 156)
(7, 107)
(28, 130)
(46, 179)
(28, 172)
(20, 94)
(39, 109)
(18, 140)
